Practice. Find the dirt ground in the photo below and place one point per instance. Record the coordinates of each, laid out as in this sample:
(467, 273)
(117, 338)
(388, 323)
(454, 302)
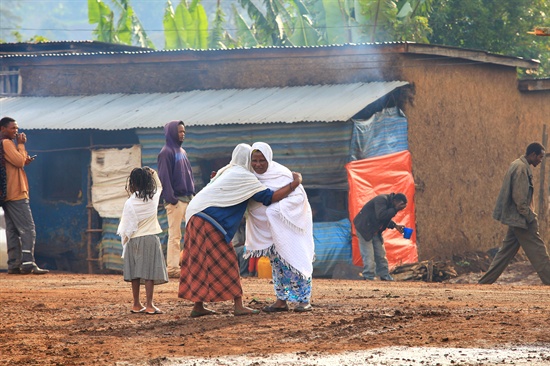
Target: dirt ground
(77, 319)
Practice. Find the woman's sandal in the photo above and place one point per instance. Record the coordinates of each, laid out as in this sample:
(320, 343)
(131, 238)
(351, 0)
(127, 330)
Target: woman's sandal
(274, 309)
(142, 310)
(155, 311)
(303, 308)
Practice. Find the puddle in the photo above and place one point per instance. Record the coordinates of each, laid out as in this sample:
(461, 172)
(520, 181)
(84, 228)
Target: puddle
(402, 356)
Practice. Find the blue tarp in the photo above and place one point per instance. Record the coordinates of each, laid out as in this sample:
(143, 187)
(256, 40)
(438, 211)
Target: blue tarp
(332, 246)
(386, 132)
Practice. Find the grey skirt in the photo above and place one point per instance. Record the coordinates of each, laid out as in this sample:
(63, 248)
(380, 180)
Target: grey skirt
(144, 260)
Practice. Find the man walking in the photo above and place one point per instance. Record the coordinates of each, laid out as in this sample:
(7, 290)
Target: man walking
(178, 187)
(20, 229)
(515, 208)
(375, 217)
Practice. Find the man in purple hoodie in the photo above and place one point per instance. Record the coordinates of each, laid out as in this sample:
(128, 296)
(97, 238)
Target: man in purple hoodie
(178, 188)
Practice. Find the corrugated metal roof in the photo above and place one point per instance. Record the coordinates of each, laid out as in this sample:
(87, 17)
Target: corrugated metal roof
(83, 50)
(319, 103)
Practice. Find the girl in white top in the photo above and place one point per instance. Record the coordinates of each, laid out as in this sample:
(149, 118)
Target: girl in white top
(143, 258)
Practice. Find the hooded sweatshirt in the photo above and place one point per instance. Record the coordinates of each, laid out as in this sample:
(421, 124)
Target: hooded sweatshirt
(174, 168)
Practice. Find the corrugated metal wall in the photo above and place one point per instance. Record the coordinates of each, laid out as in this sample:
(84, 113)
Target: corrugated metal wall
(318, 150)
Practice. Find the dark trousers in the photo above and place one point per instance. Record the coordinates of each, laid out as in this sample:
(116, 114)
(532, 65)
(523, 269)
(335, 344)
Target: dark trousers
(20, 233)
(533, 246)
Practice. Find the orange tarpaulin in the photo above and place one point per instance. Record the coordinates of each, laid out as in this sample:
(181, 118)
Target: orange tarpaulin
(382, 175)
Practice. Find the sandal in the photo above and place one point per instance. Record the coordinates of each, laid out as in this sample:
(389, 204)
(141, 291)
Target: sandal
(273, 309)
(303, 308)
(156, 311)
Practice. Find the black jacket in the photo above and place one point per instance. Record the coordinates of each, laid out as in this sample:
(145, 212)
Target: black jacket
(376, 216)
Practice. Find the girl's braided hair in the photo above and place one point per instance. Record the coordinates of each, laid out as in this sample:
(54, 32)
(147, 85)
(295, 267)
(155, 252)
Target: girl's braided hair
(141, 183)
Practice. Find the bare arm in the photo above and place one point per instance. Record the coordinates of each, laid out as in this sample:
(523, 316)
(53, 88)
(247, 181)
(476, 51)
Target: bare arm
(286, 190)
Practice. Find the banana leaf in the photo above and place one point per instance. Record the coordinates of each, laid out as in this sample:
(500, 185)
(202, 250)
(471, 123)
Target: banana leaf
(245, 36)
(216, 38)
(171, 37)
(304, 33)
(184, 25)
(124, 27)
(336, 22)
(101, 14)
(200, 20)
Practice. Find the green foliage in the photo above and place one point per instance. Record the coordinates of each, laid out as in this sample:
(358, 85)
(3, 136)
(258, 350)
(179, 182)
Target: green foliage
(128, 29)
(99, 13)
(245, 35)
(496, 26)
(275, 23)
(266, 28)
(304, 33)
(358, 21)
(337, 19)
(20, 38)
(186, 27)
(491, 25)
(378, 19)
(217, 31)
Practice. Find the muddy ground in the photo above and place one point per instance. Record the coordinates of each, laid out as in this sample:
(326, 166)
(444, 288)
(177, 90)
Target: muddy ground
(78, 319)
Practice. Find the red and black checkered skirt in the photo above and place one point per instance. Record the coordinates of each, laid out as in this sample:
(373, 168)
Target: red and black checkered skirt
(209, 269)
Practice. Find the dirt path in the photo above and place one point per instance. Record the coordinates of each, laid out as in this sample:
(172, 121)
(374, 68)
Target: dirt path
(70, 319)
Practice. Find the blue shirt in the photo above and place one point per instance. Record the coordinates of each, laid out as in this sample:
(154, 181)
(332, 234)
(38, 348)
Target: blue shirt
(228, 219)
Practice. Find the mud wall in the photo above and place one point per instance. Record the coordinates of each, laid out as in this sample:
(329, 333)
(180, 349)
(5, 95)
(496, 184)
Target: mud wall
(467, 123)
(164, 75)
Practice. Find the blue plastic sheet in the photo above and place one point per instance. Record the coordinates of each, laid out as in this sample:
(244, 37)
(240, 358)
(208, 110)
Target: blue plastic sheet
(332, 246)
(382, 134)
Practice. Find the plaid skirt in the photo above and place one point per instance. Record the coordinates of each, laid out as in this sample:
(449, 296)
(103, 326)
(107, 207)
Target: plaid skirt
(209, 268)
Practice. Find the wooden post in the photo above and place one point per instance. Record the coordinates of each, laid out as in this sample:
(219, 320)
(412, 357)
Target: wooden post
(543, 193)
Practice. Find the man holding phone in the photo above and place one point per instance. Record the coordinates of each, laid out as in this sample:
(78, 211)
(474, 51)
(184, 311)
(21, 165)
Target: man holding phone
(14, 193)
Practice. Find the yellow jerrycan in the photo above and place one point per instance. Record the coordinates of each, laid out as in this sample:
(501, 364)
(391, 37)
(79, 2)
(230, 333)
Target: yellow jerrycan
(264, 268)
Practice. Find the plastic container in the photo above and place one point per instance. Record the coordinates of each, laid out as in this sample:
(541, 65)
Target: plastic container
(264, 268)
(407, 232)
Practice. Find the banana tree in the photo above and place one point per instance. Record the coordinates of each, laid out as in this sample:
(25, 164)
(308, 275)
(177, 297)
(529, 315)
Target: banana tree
(303, 31)
(245, 35)
(217, 31)
(276, 23)
(271, 23)
(128, 29)
(354, 21)
(376, 19)
(186, 27)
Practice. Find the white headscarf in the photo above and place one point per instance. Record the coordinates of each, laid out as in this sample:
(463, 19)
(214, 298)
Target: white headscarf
(233, 184)
(286, 225)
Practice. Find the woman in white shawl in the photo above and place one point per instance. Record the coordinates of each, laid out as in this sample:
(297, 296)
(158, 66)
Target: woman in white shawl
(143, 259)
(282, 231)
(209, 266)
